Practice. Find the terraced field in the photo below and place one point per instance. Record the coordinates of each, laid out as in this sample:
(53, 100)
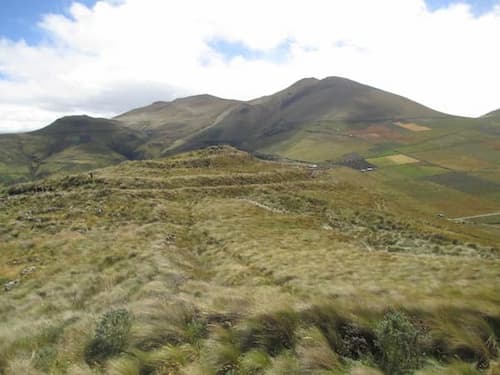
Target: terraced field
(215, 262)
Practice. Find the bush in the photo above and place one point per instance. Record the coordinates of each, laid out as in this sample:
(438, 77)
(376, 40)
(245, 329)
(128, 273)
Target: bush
(44, 357)
(273, 332)
(110, 337)
(344, 336)
(220, 354)
(397, 340)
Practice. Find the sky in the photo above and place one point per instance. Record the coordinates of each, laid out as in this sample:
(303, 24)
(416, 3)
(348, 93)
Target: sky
(104, 57)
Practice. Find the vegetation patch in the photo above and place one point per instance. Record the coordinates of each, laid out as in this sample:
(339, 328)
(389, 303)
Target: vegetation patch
(390, 160)
(111, 336)
(412, 126)
(466, 183)
(410, 171)
(398, 341)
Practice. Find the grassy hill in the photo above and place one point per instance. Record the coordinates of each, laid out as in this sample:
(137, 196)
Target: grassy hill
(493, 114)
(168, 123)
(70, 144)
(215, 262)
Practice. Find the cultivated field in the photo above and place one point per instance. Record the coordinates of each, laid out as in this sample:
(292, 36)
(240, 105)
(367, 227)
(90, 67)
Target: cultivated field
(412, 127)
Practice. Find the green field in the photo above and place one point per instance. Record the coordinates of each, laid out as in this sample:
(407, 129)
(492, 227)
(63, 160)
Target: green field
(465, 183)
(409, 171)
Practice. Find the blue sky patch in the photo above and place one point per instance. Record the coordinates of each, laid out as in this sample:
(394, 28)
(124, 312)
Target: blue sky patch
(479, 7)
(230, 50)
(19, 18)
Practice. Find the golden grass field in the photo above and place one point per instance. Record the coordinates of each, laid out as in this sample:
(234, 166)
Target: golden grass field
(226, 264)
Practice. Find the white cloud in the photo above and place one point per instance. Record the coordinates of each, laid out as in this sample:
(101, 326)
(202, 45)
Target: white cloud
(121, 54)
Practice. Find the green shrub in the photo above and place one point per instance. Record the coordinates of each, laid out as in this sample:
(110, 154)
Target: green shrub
(110, 337)
(195, 330)
(254, 362)
(44, 357)
(397, 340)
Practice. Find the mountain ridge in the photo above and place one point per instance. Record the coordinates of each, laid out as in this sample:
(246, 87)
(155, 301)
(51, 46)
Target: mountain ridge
(332, 99)
(492, 114)
(311, 120)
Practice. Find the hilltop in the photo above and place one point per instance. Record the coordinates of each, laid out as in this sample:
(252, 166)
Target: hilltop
(168, 123)
(70, 144)
(217, 262)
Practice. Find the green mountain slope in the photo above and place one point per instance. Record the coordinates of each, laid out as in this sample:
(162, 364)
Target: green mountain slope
(216, 262)
(493, 114)
(70, 144)
(309, 105)
(169, 122)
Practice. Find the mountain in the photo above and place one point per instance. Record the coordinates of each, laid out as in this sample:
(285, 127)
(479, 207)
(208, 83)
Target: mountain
(318, 121)
(169, 122)
(309, 105)
(70, 144)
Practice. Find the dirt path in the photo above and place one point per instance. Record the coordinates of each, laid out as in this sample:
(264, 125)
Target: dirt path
(476, 216)
(263, 206)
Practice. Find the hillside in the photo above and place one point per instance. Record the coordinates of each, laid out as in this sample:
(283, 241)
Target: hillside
(310, 105)
(70, 144)
(216, 262)
(493, 114)
(169, 122)
(436, 158)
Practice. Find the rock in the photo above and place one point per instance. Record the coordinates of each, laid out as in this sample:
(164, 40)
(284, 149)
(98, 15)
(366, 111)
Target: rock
(11, 284)
(170, 237)
(28, 271)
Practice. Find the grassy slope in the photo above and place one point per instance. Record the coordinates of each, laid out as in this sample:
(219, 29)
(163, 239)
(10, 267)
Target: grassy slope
(311, 120)
(493, 114)
(168, 123)
(228, 263)
(327, 104)
(70, 144)
(317, 121)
